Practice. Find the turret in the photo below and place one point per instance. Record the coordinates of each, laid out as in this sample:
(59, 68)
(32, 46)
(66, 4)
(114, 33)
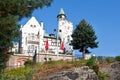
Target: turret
(65, 28)
(61, 15)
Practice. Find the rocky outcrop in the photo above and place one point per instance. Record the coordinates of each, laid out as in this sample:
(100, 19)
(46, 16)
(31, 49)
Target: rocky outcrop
(113, 70)
(79, 73)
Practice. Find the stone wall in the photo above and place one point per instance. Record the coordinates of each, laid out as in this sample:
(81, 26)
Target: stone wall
(18, 60)
(53, 57)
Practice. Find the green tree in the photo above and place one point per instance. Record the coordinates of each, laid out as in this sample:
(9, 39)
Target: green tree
(12, 11)
(84, 37)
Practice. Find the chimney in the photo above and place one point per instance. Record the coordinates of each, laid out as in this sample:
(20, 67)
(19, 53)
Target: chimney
(41, 24)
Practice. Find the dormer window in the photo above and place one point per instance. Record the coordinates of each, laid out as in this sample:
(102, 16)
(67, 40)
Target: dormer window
(68, 27)
(62, 23)
(60, 16)
(31, 25)
(34, 25)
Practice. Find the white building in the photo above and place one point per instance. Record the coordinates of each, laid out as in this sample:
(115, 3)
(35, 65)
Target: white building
(65, 29)
(33, 37)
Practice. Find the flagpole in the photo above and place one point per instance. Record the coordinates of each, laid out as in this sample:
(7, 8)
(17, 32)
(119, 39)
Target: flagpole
(46, 47)
(57, 50)
(38, 44)
(38, 49)
(57, 45)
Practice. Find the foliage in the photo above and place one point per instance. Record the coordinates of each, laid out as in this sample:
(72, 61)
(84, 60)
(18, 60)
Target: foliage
(79, 63)
(29, 72)
(51, 64)
(33, 72)
(110, 59)
(100, 59)
(93, 65)
(84, 37)
(19, 74)
(91, 62)
(96, 68)
(102, 76)
(29, 63)
(21, 8)
(3, 60)
(117, 58)
(11, 11)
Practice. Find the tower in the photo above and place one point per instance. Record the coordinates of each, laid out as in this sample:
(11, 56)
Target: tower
(65, 29)
(61, 15)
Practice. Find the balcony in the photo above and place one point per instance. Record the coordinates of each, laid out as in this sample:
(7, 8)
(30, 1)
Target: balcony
(33, 41)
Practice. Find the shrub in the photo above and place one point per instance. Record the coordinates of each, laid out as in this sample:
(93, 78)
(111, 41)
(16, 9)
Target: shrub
(117, 58)
(79, 63)
(100, 59)
(91, 62)
(96, 68)
(110, 59)
(19, 74)
(29, 63)
(102, 76)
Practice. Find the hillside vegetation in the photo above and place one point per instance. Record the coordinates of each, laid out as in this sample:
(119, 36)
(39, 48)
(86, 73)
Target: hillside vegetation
(33, 71)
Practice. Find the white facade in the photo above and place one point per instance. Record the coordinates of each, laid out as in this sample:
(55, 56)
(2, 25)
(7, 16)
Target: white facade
(65, 29)
(33, 37)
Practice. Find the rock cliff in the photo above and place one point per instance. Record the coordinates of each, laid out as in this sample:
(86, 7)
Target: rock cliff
(85, 73)
(76, 73)
(113, 71)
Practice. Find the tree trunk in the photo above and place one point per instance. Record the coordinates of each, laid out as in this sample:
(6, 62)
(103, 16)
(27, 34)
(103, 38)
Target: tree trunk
(83, 52)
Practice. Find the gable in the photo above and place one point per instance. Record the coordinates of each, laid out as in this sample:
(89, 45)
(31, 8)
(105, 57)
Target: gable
(32, 24)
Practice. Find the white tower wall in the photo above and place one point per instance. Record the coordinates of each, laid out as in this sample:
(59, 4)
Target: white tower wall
(65, 29)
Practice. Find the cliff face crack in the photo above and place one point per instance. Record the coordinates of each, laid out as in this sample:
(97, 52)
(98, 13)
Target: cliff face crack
(72, 76)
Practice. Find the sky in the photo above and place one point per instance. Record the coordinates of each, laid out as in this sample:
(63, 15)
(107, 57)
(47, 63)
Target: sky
(103, 15)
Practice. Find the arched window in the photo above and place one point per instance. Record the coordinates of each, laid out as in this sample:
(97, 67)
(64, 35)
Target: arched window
(32, 36)
(29, 37)
(31, 48)
(68, 38)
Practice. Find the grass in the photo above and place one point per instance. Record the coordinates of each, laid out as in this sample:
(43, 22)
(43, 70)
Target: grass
(34, 71)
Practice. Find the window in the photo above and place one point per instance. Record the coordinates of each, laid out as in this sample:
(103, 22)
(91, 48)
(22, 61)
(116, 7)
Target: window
(32, 36)
(31, 48)
(45, 59)
(68, 38)
(50, 59)
(36, 47)
(62, 23)
(68, 27)
(34, 25)
(29, 36)
(31, 25)
(60, 17)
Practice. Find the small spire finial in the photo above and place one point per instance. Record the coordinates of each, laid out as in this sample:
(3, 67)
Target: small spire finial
(61, 11)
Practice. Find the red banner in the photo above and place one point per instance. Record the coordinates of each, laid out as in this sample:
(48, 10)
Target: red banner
(46, 45)
(62, 46)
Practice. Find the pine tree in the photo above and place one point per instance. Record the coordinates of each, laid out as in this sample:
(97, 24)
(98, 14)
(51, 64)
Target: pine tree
(12, 11)
(84, 37)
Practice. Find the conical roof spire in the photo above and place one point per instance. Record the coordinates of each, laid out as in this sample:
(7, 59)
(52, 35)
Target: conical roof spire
(61, 11)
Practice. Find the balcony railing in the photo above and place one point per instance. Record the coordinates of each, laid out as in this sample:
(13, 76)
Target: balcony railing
(34, 41)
